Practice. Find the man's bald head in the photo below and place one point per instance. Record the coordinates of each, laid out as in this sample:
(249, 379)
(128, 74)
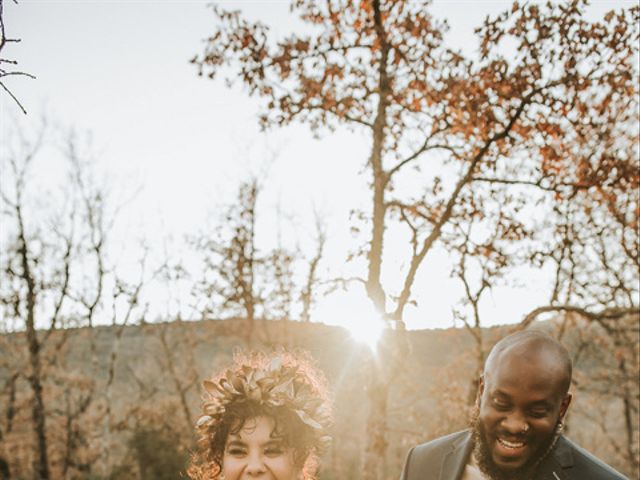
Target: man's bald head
(535, 345)
(522, 400)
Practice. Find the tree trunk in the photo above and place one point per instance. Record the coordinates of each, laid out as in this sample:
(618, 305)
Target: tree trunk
(632, 457)
(175, 376)
(41, 463)
(5, 473)
(383, 371)
(378, 388)
(374, 287)
(376, 447)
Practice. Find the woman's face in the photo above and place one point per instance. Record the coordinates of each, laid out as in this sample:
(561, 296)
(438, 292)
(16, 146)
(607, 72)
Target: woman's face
(254, 454)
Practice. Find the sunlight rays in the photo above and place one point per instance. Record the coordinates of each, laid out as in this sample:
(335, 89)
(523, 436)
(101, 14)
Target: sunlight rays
(353, 311)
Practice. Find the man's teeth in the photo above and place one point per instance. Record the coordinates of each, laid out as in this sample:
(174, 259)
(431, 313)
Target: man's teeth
(509, 444)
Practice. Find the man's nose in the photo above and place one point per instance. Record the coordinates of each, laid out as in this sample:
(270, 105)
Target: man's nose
(515, 423)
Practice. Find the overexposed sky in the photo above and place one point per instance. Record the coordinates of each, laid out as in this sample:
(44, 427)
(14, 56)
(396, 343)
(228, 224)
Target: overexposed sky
(120, 70)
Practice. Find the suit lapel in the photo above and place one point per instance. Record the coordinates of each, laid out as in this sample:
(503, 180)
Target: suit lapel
(456, 459)
(558, 463)
(551, 470)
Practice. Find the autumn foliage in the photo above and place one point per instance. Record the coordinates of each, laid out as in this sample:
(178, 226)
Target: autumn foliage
(524, 146)
(550, 102)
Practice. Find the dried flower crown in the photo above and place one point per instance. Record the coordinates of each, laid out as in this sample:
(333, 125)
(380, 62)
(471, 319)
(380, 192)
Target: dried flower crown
(274, 384)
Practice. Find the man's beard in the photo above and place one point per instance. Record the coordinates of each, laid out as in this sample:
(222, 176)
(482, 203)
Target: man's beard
(484, 458)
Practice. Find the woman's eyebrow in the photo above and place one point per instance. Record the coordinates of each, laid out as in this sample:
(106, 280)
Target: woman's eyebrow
(236, 442)
(274, 441)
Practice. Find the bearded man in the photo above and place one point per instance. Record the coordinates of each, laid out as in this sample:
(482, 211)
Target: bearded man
(516, 431)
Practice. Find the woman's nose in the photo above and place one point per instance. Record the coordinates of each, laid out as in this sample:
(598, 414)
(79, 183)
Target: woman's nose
(256, 465)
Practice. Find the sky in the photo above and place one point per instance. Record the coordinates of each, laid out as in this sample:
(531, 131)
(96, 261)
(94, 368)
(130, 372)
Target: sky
(120, 71)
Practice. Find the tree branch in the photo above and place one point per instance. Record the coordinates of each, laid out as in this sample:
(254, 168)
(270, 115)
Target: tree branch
(613, 313)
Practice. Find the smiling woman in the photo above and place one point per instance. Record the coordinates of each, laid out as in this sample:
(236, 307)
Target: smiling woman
(253, 450)
(265, 417)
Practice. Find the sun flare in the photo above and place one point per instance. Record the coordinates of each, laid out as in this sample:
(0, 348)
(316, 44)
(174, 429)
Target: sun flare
(354, 311)
(367, 331)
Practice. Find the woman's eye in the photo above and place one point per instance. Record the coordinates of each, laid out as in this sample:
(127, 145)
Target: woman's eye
(236, 452)
(273, 451)
(501, 405)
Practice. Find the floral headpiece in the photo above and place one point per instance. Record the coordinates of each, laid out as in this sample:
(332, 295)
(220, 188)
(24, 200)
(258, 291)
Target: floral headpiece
(273, 384)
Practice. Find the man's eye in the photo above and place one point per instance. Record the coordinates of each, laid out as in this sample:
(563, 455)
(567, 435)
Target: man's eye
(538, 413)
(501, 406)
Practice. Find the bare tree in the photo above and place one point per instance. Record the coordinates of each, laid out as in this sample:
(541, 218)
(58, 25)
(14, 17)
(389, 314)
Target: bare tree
(56, 268)
(176, 339)
(228, 282)
(238, 279)
(485, 250)
(128, 295)
(21, 270)
(311, 284)
(4, 73)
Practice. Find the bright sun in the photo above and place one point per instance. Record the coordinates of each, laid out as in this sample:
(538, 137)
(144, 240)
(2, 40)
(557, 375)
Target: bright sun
(353, 310)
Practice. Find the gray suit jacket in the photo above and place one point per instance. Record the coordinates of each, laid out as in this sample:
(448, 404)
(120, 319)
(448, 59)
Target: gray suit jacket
(446, 457)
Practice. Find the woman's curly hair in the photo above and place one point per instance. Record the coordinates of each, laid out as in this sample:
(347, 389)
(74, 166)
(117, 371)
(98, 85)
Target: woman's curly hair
(284, 387)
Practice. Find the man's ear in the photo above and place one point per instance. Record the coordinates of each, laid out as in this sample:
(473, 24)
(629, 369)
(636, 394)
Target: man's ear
(564, 406)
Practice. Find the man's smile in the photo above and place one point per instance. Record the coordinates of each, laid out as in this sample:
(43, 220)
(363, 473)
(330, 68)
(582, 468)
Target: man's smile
(509, 448)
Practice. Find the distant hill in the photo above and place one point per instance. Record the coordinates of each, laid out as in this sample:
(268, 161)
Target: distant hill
(159, 367)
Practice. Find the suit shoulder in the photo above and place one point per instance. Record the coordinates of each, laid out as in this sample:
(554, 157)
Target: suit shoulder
(591, 466)
(440, 444)
(424, 461)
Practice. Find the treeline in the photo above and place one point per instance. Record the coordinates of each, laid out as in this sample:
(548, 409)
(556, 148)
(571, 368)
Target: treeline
(136, 422)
